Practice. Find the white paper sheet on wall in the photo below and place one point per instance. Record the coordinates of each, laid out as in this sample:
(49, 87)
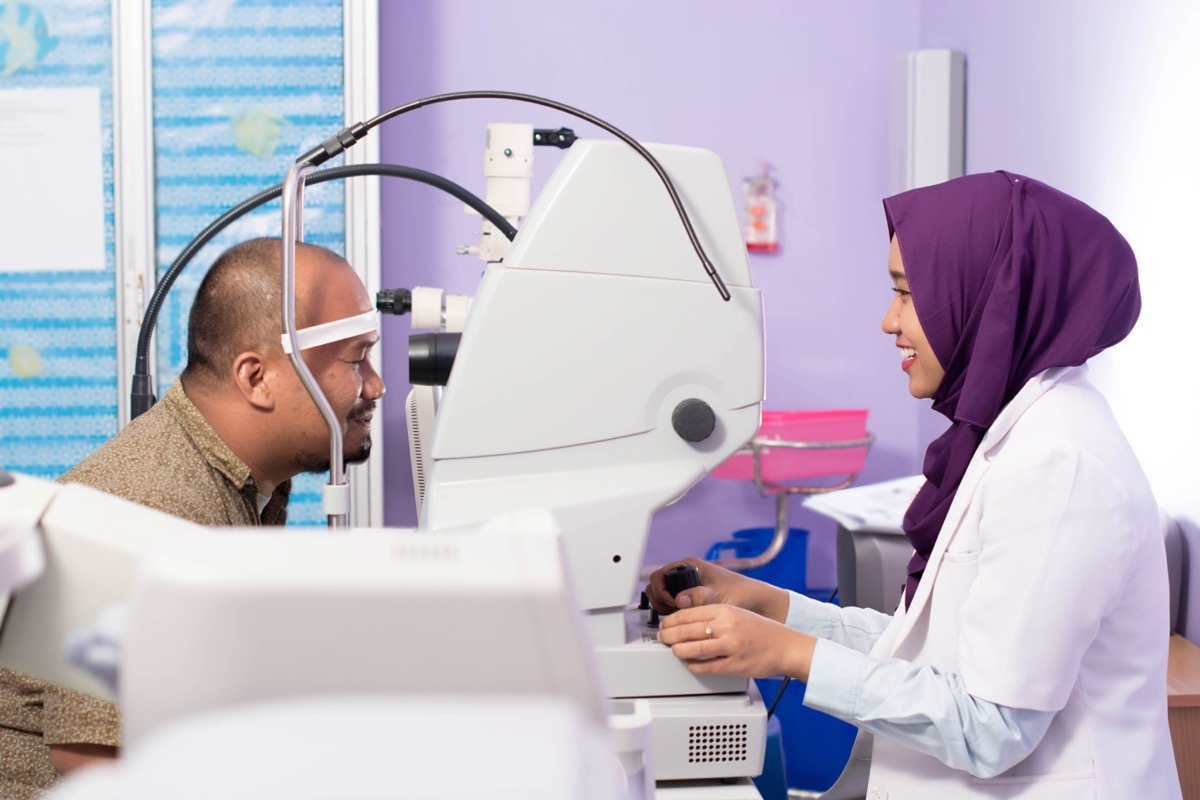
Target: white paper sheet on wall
(51, 180)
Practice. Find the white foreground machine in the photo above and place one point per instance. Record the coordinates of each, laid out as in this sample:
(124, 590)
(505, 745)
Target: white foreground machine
(259, 664)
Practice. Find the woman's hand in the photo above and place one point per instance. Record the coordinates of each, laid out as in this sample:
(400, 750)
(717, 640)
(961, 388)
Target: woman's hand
(718, 585)
(726, 640)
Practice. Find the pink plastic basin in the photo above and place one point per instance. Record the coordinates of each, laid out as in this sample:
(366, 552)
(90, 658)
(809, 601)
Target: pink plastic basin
(786, 463)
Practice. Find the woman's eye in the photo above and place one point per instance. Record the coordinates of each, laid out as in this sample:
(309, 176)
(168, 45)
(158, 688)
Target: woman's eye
(900, 292)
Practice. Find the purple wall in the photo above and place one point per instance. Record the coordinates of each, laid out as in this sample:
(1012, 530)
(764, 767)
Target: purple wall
(803, 86)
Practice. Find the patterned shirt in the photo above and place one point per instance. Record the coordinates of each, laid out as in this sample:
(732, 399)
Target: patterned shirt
(169, 459)
(35, 714)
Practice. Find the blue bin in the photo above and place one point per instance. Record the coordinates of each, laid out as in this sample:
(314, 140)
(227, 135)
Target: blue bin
(789, 569)
(772, 783)
(816, 746)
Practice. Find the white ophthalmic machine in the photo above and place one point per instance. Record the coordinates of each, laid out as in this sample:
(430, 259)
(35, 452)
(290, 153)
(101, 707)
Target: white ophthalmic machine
(596, 378)
(600, 376)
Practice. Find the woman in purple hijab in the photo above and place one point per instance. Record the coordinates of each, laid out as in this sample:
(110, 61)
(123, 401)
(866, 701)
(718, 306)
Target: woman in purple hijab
(1027, 654)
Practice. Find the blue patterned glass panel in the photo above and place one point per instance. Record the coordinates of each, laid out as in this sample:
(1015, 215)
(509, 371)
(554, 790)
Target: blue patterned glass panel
(240, 89)
(58, 336)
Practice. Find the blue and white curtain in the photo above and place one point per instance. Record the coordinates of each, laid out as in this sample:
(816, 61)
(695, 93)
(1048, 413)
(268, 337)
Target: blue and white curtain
(240, 88)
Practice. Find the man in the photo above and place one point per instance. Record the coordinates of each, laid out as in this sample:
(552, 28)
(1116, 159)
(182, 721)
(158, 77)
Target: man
(222, 446)
(219, 449)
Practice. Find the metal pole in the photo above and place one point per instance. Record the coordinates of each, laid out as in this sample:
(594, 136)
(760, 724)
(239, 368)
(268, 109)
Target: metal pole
(337, 495)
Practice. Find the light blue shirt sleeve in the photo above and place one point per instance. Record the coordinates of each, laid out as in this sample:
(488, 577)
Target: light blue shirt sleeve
(919, 707)
(856, 628)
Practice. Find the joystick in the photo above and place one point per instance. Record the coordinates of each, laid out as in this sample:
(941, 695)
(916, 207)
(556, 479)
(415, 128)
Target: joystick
(682, 576)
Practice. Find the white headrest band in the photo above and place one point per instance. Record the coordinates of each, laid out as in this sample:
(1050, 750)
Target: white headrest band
(317, 335)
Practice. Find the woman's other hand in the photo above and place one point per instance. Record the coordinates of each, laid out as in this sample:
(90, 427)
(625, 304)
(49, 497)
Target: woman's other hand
(718, 585)
(726, 640)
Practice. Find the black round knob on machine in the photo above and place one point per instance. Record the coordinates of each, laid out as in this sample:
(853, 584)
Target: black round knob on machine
(680, 577)
(694, 420)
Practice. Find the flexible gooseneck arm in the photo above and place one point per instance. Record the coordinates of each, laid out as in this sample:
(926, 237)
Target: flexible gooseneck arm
(347, 137)
(142, 392)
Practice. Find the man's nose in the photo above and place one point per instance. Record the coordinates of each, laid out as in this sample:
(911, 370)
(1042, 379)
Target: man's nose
(373, 386)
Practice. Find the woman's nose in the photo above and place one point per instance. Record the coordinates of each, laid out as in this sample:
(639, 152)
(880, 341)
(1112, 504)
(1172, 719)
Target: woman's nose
(891, 319)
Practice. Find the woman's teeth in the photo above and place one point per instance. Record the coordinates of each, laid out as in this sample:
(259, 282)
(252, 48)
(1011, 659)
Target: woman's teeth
(908, 352)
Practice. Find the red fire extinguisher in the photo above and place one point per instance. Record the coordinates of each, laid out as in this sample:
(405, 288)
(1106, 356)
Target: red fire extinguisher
(760, 228)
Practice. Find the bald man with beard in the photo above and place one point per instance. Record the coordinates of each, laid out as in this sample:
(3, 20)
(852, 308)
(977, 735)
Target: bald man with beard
(222, 446)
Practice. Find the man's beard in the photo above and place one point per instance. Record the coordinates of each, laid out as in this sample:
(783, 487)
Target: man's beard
(312, 462)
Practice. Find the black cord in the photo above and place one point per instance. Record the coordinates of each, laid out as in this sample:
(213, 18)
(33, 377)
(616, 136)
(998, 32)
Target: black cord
(142, 390)
(349, 136)
(787, 679)
(779, 696)
(141, 396)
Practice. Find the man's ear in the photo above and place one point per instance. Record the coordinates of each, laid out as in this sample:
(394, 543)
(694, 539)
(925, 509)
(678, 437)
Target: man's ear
(250, 377)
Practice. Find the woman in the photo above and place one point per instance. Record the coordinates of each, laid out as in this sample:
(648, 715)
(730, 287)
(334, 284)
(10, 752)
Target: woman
(1027, 656)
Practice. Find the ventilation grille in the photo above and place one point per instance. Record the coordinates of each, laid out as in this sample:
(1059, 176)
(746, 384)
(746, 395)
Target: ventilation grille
(418, 451)
(717, 743)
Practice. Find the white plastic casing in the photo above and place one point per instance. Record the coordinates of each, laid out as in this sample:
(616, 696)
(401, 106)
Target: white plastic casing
(929, 98)
(248, 616)
(578, 348)
(94, 544)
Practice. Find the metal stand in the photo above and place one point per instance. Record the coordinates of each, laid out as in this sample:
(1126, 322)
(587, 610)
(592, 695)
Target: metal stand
(782, 492)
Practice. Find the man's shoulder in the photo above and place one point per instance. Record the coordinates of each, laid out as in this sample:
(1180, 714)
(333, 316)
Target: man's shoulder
(136, 449)
(151, 462)
(167, 459)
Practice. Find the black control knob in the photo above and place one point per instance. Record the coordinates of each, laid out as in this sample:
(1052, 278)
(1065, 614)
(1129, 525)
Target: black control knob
(680, 577)
(694, 420)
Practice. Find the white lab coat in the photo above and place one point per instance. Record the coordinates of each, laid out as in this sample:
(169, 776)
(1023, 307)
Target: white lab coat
(1047, 589)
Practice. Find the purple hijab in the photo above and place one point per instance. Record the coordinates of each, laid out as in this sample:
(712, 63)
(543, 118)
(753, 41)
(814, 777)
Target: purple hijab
(1009, 277)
